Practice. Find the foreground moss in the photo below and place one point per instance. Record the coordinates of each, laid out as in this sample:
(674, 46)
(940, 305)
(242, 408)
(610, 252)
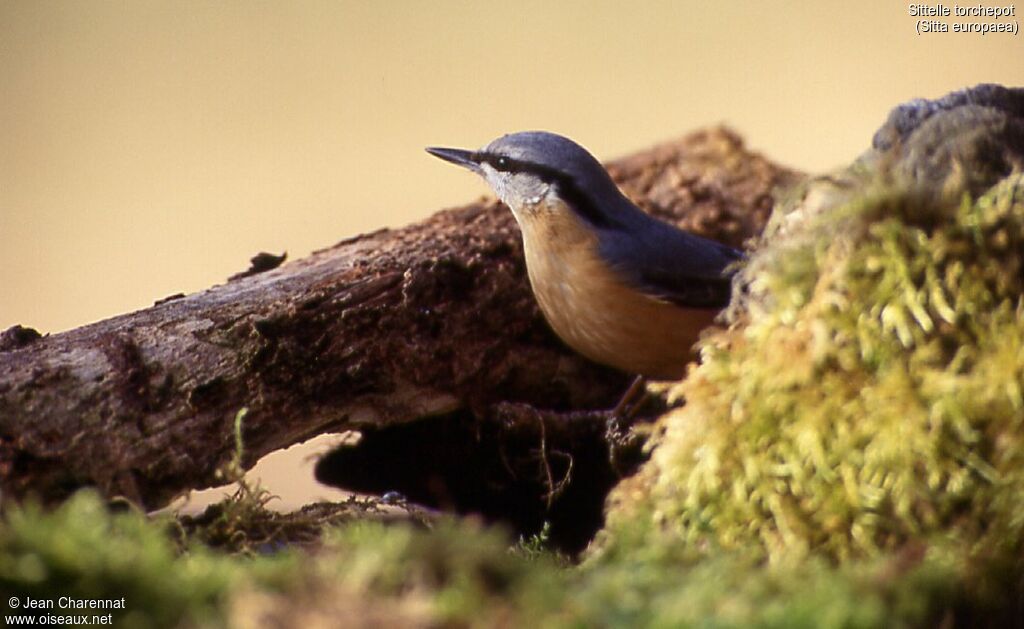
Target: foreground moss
(83, 551)
(457, 574)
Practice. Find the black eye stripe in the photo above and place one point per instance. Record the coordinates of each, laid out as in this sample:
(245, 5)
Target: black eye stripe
(506, 164)
(567, 188)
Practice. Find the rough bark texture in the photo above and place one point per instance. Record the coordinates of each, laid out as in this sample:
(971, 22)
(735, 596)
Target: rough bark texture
(381, 329)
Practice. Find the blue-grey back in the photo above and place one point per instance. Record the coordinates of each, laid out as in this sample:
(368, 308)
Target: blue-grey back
(667, 262)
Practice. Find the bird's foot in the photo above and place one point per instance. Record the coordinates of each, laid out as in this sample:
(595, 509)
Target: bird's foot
(623, 442)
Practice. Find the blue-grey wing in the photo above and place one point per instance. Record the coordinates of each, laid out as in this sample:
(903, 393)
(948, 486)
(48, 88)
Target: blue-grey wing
(670, 264)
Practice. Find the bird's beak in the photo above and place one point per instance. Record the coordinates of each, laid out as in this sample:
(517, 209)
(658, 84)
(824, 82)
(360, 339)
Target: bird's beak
(466, 159)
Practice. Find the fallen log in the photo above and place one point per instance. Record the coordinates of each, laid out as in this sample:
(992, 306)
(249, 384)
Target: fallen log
(376, 331)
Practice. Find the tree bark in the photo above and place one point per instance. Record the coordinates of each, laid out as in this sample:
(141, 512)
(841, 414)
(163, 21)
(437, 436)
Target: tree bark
(380, 329)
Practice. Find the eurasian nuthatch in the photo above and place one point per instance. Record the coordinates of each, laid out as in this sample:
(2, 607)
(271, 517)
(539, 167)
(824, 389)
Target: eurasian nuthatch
(616, 284)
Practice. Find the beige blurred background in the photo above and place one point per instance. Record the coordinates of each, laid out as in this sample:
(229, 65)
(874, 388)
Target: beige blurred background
(149, 148)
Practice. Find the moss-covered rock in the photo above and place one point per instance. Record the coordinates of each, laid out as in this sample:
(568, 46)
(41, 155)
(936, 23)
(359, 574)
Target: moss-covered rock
(869, 394)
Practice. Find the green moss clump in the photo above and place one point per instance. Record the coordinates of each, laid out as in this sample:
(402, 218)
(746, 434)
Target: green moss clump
(873, 396)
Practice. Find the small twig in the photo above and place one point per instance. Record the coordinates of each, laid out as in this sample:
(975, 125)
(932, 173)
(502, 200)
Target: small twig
(554, 490)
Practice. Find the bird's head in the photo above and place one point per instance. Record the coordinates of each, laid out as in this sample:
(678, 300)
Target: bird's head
(533, 169)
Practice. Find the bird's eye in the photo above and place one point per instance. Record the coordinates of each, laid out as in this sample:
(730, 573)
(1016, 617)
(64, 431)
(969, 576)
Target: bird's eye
(501, 163)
